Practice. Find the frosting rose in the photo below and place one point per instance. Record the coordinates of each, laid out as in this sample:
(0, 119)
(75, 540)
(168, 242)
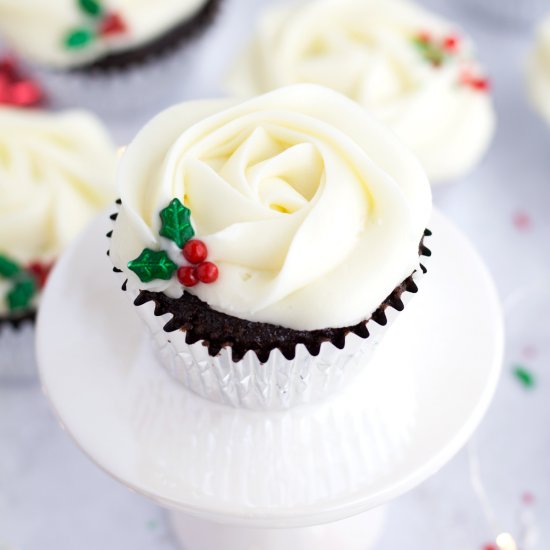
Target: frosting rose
(538, 73)
(56, 172)
(409, 67)
(312, 211)
(40, 29)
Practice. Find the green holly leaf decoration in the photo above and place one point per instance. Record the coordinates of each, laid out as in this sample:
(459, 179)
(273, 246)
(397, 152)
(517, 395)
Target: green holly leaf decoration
(430, 51)
(8, 268)
(79, 38)
(91, 7)
(176, 223)
(21, 295)
(151, 265)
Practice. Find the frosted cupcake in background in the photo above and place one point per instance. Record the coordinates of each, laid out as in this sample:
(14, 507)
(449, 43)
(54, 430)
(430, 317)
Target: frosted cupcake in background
(91, 52)
(56, 173)
(538, 71)
(412, 69)
(267, 244)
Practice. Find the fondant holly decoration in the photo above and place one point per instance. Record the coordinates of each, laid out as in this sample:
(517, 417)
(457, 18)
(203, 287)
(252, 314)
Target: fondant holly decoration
(439, 51)
(176, 223)
(176, 226)
(102, 24)
(434, 51)
(17, 90)
(151, 265)
(24, 282)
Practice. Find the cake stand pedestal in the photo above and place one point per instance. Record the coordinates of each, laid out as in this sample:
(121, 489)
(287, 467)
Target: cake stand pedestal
(310, 478)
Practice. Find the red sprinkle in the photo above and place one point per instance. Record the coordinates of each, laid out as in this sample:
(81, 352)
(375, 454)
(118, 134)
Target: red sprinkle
(521, 221)
(112, 24)
(187, 276)
(195, 251)
(40, 272)
(25, 93)
(207, 272)
(451, 43)
(490, 547)
(528, 498)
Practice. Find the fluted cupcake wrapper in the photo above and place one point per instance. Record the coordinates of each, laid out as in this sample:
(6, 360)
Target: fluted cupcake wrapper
(278, 383)
(17, 358)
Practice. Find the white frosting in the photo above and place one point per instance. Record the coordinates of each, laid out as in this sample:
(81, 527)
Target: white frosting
(37, 28)
(56, 172)
(538, 73)
(365, 49)
(312, 211)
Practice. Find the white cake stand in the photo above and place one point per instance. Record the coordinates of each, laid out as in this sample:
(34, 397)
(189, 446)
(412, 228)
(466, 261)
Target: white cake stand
(311, 478)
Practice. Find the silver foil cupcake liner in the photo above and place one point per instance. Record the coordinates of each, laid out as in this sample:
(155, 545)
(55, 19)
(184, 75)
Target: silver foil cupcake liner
(17, 357)
(279, 383)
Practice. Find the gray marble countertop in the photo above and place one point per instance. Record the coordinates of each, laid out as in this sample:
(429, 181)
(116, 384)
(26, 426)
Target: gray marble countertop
(52, 497)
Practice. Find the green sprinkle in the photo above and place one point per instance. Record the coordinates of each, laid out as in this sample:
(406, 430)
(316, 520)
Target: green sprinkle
(151, 265)
(176, 223)
(21, 295)
(152, 525)
(91, 7)
(525, 377)
(8, 268)
(79, 38)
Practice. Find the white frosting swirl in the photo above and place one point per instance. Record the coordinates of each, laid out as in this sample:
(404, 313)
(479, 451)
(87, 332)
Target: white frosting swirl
(538, 74)
(365, 49)
(56, 172)
(37, 28)
(311, 209)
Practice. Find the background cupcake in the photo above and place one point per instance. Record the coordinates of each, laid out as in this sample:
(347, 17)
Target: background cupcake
(87, 49)
(56, 172)
(414, 70)
(268, 241)
(538, 71)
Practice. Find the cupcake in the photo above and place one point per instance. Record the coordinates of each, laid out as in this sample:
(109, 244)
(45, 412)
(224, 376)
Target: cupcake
(538, 71)
(56, 172)
(267, 244)
(415, 71)
(92, 49)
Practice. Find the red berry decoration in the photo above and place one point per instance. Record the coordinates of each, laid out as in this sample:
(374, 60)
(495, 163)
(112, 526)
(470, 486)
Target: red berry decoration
(451, 42)
(195, 251)
(40, 272)
(207, 272)
(187, 276)
(112, 24)
(15, 89)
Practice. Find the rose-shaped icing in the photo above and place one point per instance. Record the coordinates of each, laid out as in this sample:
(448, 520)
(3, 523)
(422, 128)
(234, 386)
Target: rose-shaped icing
(539, 71)
(409, 67)
(56, 172)
(312, 211)
(39, 29)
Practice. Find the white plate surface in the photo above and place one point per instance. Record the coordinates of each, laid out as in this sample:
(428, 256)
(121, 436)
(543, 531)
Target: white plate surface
(411, 410)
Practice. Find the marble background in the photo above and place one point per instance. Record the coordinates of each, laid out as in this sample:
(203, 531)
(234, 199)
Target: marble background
(52, 497)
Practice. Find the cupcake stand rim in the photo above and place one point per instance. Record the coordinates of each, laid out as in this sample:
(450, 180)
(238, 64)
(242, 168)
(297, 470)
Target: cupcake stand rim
(105, 406)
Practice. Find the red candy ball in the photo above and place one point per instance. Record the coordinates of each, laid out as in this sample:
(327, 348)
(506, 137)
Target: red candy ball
(451, 43)
(207, 272)
(187, 276)
(195, 251)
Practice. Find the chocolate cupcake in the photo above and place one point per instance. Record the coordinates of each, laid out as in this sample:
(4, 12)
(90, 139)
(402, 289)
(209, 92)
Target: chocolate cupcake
(414, 70)
(269, 244)
(88, 51)
(56, 173)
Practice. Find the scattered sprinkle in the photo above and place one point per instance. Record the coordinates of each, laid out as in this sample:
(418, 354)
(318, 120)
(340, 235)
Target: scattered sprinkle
(528, 498)
(529, 352)
(524, 376)
(522, 221)
(152, 525)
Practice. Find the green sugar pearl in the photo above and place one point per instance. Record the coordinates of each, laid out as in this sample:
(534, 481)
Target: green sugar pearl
(79, 38)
